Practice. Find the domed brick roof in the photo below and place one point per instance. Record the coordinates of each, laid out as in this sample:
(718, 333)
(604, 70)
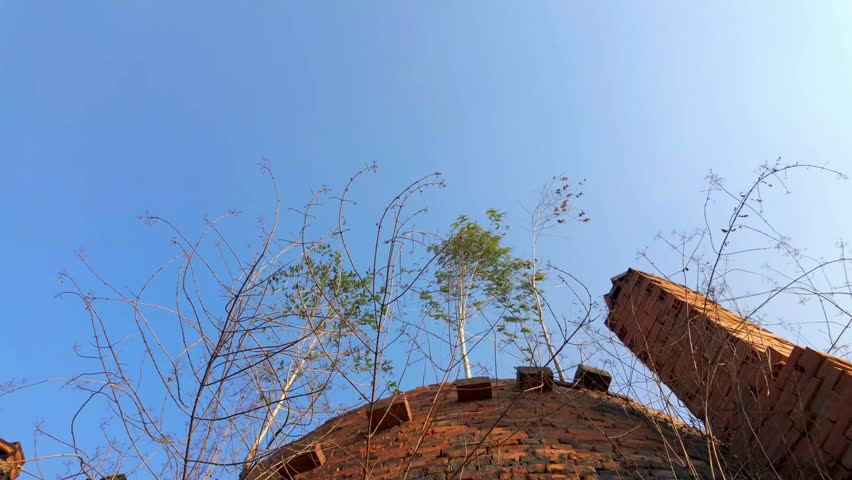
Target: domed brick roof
(565, 433)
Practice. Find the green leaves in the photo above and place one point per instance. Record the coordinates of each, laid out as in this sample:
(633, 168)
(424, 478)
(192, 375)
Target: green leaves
(475, 272)
(319, 297)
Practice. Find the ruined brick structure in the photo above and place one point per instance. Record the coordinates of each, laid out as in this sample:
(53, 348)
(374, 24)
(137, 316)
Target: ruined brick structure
(558, 433)
(11, 460)
(783, 410)
(771, 409)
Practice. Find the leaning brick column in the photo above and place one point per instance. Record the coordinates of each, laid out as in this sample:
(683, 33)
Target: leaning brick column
(776, 405)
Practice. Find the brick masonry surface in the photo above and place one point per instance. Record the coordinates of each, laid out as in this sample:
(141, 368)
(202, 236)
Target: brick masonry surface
(11, 460)
(780, 409)
(533, 435)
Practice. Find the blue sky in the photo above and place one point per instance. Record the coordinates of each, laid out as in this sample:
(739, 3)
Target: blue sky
(111, 109)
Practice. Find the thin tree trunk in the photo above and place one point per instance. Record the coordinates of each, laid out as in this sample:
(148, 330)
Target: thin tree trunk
(540, 310)
(464, 350)
(270, 419)
(556, 363)
(462, 312)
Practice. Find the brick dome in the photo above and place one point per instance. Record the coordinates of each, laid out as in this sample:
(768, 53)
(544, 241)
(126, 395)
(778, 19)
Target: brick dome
(427, 433)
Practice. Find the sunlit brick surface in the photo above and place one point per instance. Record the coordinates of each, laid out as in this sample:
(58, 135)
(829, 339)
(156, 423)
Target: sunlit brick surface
(561, 434)
(780, 408)
(11, 460)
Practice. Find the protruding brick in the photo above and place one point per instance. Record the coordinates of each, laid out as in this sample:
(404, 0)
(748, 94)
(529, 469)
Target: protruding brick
(11, 459)
(302, 462)
(473, 389)
(389, 413)
(809, 362)
(535, 378)
(592, 378)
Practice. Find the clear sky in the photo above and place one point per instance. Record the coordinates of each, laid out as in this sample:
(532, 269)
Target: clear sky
(112, 108)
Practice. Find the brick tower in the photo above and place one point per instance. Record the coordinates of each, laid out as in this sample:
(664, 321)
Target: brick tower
(782, 410)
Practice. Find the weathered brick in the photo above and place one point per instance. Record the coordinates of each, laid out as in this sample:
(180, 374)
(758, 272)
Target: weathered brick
(592, 378)
(534, 378)
(389, 413)
(557, 434)
(473, 389)
(755, 387)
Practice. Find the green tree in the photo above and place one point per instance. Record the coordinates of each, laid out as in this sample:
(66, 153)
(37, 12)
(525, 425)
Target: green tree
(474, 270)
(323, 306)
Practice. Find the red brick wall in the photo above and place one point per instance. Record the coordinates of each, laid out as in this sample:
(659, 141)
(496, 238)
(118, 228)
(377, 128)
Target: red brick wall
(562, 434)
(776, 405)
(11, 460)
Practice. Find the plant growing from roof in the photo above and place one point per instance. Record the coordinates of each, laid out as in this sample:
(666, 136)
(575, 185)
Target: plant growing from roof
(474, 271)
(321, 310)
(553, 209)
